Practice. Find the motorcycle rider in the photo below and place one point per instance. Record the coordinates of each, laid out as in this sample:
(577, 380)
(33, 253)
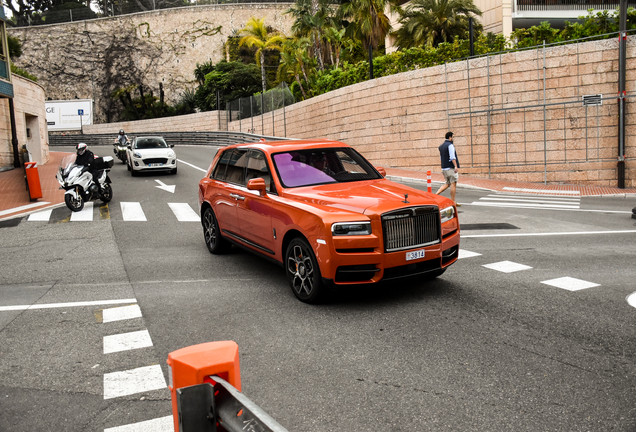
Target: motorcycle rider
(86, 158)
(122, 139)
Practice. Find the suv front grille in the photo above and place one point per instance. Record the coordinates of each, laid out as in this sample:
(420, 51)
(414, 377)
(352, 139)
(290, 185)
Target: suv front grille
(155, 160)
(411, 228)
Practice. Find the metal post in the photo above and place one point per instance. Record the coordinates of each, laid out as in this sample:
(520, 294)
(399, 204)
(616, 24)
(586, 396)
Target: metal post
(488, 84)
(252, 112)
(262, 113)
(273, 134)
(622, 60)
(284, 117)
(470, 114)
(370, 62)
(240, 117)
(447, 109)
(218, 107)
(471, 36)
(545, 134)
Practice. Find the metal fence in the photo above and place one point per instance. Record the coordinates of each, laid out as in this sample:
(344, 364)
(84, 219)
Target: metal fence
(109, 8)
(566, 5)
(553, 124)
(257, 106)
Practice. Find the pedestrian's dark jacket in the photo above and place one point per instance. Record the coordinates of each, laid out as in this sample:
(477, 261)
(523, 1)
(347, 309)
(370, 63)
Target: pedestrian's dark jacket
(444, 154)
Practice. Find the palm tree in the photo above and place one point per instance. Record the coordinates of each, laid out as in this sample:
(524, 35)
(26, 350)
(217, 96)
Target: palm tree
(255, 35)
(290, 66)
(431, 22)
(367, 22)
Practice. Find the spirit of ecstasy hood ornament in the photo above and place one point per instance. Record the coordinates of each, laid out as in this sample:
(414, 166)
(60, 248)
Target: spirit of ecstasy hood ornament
(406, 199)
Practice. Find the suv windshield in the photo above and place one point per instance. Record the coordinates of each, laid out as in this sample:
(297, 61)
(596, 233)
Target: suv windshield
(322, 166)
(150, 143)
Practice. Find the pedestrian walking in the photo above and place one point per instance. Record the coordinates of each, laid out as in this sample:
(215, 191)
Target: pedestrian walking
(450, 166)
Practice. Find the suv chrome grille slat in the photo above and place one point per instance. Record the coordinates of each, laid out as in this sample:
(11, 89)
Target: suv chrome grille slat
(411, 228)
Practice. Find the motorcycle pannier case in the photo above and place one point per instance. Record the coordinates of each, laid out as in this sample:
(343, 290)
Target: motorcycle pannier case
(104, 162)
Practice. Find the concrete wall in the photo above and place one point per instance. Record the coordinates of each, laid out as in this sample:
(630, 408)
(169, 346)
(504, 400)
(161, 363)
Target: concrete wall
(90, 59)
(400, 120)
(200, 122)
(30, 113)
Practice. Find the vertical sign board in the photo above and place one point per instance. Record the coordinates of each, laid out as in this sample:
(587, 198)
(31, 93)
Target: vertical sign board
(68, 115)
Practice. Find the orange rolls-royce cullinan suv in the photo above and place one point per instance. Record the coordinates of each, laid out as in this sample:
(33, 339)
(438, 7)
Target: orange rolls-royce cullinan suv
(323, 212)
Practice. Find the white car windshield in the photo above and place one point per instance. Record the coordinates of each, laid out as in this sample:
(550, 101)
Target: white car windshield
(150, 143)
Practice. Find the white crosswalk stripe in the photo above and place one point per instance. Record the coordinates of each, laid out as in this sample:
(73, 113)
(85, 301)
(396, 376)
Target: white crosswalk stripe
(84, 215)
(124, 383)
(161, 424)
(529, 201)
(130, 211)
(127, 341)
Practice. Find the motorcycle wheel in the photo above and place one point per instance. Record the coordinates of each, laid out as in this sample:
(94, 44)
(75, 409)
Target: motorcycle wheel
(74, 205)
(107, 193)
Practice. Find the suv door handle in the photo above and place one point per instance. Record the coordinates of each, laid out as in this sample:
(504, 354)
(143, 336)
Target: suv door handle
(237, 197)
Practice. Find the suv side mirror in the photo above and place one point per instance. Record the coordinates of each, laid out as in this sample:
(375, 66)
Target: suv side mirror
(171, 145)
(257, 184)
(382, 171)
(129, 147)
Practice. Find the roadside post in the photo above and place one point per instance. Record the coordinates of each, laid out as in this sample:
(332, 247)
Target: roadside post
(205, 383)
(428, 182)
(33, 180)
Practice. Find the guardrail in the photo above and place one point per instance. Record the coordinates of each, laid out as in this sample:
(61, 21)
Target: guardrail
(177, 138)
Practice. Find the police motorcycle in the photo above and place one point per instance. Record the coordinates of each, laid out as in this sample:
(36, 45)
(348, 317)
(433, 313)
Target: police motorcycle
(78, 182)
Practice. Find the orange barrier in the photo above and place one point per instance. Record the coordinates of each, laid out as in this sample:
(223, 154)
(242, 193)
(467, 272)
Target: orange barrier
(33, 180)
(195, 364)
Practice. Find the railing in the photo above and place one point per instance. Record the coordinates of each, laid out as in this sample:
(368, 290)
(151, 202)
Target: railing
(558, 5)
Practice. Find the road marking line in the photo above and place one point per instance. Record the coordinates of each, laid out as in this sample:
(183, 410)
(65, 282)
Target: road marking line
(24, 207)
(467, 254)
(127, 341)
(132, 211)
(184, 212)
(84, 215)
(189, 164)
(143, 379)
(543, 191)
(521, 205)
(162, 424)
(121, 313)
(507, 266)
(63, 305)
(41, 216)
(546, 198)
(548, 234)
(528, 200)
(570, 283)
(529, 206)
(631, 299)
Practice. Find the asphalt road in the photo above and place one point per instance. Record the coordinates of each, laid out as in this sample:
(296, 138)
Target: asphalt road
(478, 349)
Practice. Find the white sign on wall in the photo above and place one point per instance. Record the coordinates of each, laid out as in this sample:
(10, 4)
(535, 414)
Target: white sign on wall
(67, 115)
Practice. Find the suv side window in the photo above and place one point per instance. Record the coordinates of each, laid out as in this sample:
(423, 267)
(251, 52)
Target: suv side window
(257, 168)
(221, 166)
(236, 166)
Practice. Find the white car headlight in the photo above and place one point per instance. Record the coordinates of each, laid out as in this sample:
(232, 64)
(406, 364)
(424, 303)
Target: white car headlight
(171, 154)
(351, 228)
(447, 214)
(137, 155)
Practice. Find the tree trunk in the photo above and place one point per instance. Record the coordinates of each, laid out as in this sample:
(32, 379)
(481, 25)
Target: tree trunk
(263, 71)
(301, 86)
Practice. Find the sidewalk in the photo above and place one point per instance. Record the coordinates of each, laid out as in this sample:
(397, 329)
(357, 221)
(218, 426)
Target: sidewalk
(14, 198)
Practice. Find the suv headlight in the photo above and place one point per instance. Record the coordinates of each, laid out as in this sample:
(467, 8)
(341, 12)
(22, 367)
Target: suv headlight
(351, 228)
(447, 214)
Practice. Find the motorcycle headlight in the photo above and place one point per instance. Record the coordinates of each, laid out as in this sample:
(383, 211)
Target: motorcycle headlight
(137, 155)
(447, 214)
(351, 228)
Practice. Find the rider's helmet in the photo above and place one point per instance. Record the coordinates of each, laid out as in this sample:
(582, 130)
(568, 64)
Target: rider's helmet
(81, 148)
(121, 131)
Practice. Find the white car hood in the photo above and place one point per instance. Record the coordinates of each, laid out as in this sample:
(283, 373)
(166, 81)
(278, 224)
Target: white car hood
(153, 153)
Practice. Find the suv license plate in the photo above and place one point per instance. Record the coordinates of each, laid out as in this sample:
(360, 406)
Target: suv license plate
(415, 254)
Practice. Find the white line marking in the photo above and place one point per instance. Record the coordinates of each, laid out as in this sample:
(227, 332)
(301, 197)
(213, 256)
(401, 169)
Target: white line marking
(184, 212)
(189, 164)
(507, 266)
(41, 216)
(132, 211)
(121, 313)
(570, 284)
(143, 379)
(127, 341)
(63, 305)
(549, 234)
(529, 200)
(467, 254)
(631, 299)
(543, 191)
(162, 424)
(534, 197)
(520, 205)
(162, 185)
(85, 215)
(24, 207)
(576, 209)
